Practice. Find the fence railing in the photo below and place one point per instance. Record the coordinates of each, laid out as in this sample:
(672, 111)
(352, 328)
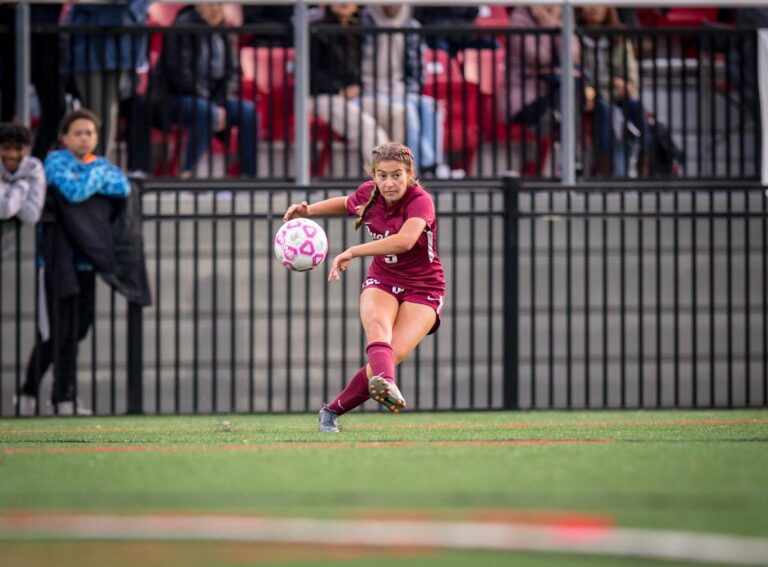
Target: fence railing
(478, 110)
(231, 330)
(642, 296)
(584, 297)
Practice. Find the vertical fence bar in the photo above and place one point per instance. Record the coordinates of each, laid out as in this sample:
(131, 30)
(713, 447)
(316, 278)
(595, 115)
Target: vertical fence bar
(135, 359)
(232, 306)
(659, 353)
(551, 301)
(252, 300)
(270, 307)
(587, 314)
(511, 323)
(471, 274)
(454, 298)
(623, 298)
(604, 388)
(568, 303)
(490, 311)
(676, 295)
(747, 303)
(694, 304)
(177, 297)
(640, 305)
(195, 309)
(567, 98)
(534, 365)
(301, 94)
(711, 299)
(729, 293)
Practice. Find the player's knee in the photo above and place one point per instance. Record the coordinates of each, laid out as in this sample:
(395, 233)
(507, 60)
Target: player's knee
(378, 330)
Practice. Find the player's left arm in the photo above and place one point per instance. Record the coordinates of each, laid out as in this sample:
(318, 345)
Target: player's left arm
(394, 244)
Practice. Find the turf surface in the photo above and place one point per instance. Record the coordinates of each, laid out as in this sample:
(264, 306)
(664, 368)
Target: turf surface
(693, 471)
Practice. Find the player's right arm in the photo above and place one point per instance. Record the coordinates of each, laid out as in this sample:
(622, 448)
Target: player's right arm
(336, 206)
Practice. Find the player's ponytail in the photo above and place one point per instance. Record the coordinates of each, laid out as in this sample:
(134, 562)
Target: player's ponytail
(364, 208)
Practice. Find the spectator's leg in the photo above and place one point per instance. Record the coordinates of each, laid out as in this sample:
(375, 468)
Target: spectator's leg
(46, 75)
(602, 125)
(198, 115)
(242, 113)
(428, 130)
(348, 119)
(64, 346)
(39, 362)
(388, 114)
(138, 134)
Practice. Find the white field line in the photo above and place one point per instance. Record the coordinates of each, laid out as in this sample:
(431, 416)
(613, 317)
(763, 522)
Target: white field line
(599, 540)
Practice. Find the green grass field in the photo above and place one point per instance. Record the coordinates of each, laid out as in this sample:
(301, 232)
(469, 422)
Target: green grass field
(689, 471)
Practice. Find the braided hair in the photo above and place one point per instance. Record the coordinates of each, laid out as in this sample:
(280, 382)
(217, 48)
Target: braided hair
(383, 152)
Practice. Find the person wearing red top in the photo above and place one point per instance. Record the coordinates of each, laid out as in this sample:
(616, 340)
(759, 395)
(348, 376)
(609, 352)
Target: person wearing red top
(402, 295)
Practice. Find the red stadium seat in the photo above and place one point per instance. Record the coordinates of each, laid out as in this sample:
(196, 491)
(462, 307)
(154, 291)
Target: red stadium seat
(487, 67)
(268, 79)
(444, 80)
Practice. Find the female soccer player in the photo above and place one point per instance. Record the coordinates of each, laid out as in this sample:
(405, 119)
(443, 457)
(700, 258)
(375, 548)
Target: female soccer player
(402, 296)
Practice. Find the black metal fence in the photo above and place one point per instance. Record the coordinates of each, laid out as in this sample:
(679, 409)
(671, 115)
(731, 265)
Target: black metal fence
(580, 297)
(231, 330)
(641, 296)
(488, 106)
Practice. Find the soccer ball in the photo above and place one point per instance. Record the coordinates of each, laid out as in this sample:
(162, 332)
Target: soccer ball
(301, 244)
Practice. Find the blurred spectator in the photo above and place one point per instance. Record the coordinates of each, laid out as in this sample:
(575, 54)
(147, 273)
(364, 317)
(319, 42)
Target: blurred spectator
(196, 85)
(742, 63)
(278, 15)
(22, 180)
(533, 68)
(611, 74)
(104, 65)
(86, 195)
(335, 80)
(451, 16)
(48, 63)
(392, 75)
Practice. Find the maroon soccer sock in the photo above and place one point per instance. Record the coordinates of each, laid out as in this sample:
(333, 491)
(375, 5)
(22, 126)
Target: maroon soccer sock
(353, 395)
(381, 357)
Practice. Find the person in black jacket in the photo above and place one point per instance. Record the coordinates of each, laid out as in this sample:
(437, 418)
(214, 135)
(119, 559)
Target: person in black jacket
(197, 86)
(334, 79)
(84, 232)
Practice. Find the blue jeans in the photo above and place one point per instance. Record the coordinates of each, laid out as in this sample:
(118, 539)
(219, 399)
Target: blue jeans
(199, 116)
(609, 122)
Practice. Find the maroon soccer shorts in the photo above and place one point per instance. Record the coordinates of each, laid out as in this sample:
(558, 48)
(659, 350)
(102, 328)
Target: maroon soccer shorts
(433, 300)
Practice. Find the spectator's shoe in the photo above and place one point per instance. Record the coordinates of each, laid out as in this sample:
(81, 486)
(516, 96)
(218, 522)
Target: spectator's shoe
(27, 404)
(386, 393)
(328, 420)
(68, 408)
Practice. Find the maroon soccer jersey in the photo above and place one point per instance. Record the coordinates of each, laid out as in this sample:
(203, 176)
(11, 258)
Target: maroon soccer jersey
(419, 268)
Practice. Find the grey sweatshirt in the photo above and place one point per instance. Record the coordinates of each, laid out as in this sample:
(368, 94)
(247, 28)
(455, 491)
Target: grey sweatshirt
(22, 193)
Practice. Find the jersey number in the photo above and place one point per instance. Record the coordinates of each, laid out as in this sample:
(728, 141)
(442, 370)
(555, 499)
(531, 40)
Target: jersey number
(390, 259)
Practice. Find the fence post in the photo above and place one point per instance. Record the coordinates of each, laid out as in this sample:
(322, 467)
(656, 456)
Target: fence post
(22, 63)
(511, 184)
(134, 359)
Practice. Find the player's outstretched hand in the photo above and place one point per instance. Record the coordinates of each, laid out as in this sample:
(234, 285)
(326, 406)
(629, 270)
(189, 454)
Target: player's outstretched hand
(296, 210)
(340, 264)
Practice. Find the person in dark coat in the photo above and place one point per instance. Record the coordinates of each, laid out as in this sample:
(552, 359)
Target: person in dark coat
(86, 203)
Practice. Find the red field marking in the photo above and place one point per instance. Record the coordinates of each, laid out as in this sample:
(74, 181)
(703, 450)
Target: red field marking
(284, 446)
(409, 536)
(559, 518)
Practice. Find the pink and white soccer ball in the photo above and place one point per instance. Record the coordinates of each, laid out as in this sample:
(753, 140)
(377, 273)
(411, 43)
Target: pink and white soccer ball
(301, 244)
